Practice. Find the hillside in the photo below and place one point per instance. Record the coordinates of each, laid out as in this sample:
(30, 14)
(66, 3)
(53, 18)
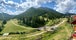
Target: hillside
(63, 29)
(36, 17)
(28, 25)
(12, 27)
(5, 16)
(39, 12)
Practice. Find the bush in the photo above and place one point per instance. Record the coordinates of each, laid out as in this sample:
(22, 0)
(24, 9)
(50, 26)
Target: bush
(22, 33)
(4, 21)
(1, 33)
(11, 33)
(17, 33)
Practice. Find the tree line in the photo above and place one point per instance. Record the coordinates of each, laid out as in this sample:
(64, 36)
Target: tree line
(37, 17)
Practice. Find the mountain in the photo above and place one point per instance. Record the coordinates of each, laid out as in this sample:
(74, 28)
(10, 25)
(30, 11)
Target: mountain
(39, 12)
(69, 14)
(5, 16)
(35, 17)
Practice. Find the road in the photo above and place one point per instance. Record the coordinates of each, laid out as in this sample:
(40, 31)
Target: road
(55, 26)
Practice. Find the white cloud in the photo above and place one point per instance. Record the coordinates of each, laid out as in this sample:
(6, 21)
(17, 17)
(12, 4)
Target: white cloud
(64, 6)
(23, 6)
(10, 2)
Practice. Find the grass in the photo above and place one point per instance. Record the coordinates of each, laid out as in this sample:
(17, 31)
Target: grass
(21, 36)
(10, 27)
(63, 33)
(53, 22)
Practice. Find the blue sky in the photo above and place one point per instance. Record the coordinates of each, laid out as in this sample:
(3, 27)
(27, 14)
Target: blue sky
(15, 7)
(49, 5)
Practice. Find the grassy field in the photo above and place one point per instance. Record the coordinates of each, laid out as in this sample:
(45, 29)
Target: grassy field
(53, 22)
(11, 27)
(63, 33)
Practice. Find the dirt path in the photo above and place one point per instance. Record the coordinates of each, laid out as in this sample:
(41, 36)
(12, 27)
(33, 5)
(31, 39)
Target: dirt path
(21, 26)
(67, 31)
(68, 34)
(37, 33)
(56, 37)
(60, 23)
(46, 31)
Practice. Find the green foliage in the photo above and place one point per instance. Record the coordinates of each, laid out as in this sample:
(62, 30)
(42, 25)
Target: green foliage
(61, 31)
(11, 27)
(53, 22)
(4, 22)
(34, 21)
(36, 17)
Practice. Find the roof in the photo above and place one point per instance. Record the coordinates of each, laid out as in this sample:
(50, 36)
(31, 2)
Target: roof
(74, 35)
(74, 22)
(5, 34)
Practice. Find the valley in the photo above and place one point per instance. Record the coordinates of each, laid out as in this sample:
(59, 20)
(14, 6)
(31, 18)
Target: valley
(36, 24)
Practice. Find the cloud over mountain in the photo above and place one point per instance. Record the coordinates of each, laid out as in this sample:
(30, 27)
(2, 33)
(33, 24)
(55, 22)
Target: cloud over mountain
(14, 7)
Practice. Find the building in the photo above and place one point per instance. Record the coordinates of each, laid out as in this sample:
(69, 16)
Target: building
(74, 27)
(5, 34)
